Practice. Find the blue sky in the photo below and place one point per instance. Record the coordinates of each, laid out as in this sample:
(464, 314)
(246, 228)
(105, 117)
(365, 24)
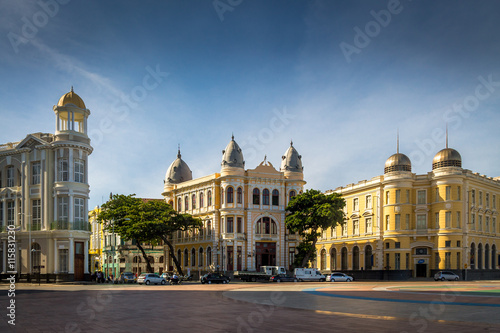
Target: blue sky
(337, 77)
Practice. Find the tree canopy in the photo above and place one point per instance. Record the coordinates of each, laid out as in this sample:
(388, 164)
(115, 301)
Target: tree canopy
(145, 221)
(308, 214)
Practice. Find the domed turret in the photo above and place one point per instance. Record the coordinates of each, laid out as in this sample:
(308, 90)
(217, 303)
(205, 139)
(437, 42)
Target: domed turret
(291, 161)
(232, 156)
(397, 162)
(447, 157)
(178, 171)
(71, 98)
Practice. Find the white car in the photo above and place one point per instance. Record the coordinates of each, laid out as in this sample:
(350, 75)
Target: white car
(445, 275)
(339, 277)
(148, 278)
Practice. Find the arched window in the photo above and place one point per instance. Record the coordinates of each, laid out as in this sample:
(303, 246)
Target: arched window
(323, 260)
(209, 256)
(209, 198)
(266, 226)
(239, 195)
(333, 259)
(355, 258)
(209, 227)
(230, 195)
(186, 258)
(486, 256)
(276, 198)
(256, 196)
(201, 199)
(291, 195)
(472, 256)
(193, 199)
(368, 257)
(479, 256)
(265, 197)
(343, 253)
(200, 257)
(161, 260)
(193, 257)
(179, 204)
(186, 203)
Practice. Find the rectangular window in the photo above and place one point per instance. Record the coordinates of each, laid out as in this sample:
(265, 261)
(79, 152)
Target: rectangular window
(355, 204)
(473, 221)
(448, 193)
(344, 229)
(397, 261)
(447, 260)
(387, 222)
(436, 220)
(368, 225)
(36, 169)
(291, 255)
(398, 196)
(398, 221)
(480, 223)
(487, 200)
(459, 223)
(480, 198)
(36, 214)
(79, 210)
(407, 221)
(459, 191)
(356, 226)
(239, 225)
(447, 217)
(487, 223)
(63, 260)
(387, 245)
(79, 171)
(494, 201)
(63, 170)
(10, 176)
(387, 197)
(63, 209)
(473, 196)
(229, 225)
(397, 245)
(458, 243)
(333, 232)
(368, 202)
(447, 244)
(494, 224)
(421, 197)
(421, 222)
(11, 213)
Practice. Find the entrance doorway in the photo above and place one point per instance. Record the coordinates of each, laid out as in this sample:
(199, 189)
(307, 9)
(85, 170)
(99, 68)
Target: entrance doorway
(79, 261)
(421, 270)
(265, 253)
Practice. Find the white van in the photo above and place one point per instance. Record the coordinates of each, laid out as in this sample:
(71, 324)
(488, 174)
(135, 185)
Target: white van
(308, 274)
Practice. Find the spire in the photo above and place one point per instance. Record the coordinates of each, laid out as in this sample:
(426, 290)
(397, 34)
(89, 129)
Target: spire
(71, 88)
(179, 150)
(232, 136)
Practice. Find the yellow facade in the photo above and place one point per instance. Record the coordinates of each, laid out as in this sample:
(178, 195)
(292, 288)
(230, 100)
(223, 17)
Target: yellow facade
(445, 219)
(96, 241)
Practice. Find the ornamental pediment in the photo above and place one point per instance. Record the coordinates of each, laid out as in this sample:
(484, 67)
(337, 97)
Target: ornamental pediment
(368, 213)
(354, 216)
(31, 142)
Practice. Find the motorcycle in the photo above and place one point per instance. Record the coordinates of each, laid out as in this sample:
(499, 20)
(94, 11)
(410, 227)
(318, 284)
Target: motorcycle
(175, 282)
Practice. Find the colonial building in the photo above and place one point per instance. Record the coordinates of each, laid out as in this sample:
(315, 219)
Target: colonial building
(243, 212)
(44, 190)
(412, 225)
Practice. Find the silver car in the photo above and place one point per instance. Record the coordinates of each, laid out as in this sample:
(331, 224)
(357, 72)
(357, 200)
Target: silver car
(446, 275)
(148, 278)
(339, 277)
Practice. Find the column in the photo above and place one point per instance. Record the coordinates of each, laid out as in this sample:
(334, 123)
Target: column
(4, 255)
(4, 211)
(56, 251)
(86, 258)
(71, 268)
(17, 217)
(71, 164)
(71, 206)
(57, 122)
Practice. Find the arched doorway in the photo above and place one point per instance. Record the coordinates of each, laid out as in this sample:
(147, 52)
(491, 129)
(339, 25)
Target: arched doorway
(368, 257)
(355, 258)
(323, 260)
(472, 259)
(343, 254)
(479, 256)
(493, 256)
(486, 256)
(333, 259)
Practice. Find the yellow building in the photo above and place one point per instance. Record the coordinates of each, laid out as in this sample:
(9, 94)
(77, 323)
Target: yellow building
(243, 212)
(406, 225)
(96, 241)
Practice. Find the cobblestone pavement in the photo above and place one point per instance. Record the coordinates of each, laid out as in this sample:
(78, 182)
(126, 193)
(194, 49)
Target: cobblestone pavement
(257, 307)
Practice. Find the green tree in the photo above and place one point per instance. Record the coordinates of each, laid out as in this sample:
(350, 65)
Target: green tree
(308, 214)
(149, 221)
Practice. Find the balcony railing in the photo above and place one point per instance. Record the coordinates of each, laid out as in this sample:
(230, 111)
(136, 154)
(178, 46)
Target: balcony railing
(66, 225)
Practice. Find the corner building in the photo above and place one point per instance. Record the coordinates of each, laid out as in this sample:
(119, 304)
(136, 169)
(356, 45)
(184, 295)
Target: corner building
(243, 212)
(402, 225)
(44, 191)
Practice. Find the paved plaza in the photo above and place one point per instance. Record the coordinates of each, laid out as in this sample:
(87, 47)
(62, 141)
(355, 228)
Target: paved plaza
(425, 306)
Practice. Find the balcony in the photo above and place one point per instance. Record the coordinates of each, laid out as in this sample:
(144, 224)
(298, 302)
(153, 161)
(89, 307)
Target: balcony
(66, 225)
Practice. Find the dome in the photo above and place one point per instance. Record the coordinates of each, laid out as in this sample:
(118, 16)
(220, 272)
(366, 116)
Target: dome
(232, 155)
(178, 171)
(397, 162)
(291, 161)
(447, 157)
(71, 98)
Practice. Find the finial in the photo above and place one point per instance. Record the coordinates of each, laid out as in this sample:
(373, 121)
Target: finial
(71, 88)
(397, 149)
(446, 135)
(291, 143)
(232, 136)
(265, 158)
(179, 150)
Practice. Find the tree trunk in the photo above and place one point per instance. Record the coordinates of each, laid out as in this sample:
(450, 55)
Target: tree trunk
(308, 255)
(172, 254)
(149, 269)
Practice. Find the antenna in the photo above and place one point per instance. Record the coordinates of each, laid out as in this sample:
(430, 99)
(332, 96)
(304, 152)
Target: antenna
(397, 148)
(446, 135)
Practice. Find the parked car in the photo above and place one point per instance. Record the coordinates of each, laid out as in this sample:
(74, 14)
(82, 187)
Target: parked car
(148, 278)
(308, 274)
(283, 278)
(339, 277)
(214, 278)
(127, 277)
(446, 275)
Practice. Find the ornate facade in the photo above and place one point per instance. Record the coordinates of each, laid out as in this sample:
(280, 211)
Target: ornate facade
(243, 212)
(445, 219)
(44, 190)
